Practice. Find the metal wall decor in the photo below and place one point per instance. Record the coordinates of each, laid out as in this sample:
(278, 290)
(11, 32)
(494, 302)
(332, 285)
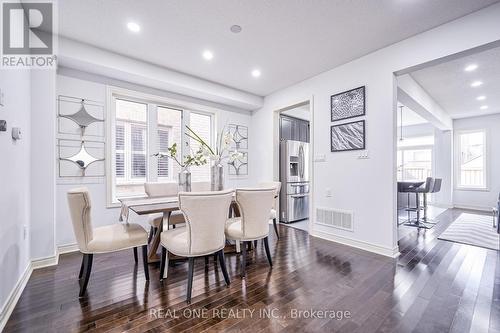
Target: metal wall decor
(73, 144)
(349, 136)
(238, 162)
(82, 117)
(239, 166)
(82, 159)
(348, 104)
(239, 135)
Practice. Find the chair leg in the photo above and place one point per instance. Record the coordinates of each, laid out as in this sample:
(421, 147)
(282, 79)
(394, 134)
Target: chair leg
(254, 244)
(238, 246)
(243, 259)
(190, 279)
(135, 254)
(206, 260)
(81, 268)
(276, 228)
(145, 261)
(268, 253)
(151, 232)
(222, 262)
(163, 263)
(88, 268)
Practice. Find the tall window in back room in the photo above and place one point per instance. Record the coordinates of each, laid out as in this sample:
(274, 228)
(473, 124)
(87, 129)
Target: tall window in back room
(415, 158)
(471, 160)
(142, 127)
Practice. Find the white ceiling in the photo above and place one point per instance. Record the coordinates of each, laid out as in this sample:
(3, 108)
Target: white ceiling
(449, 84)
(288, 40)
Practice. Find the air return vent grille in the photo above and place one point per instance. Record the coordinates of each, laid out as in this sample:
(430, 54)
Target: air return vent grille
(340, 219)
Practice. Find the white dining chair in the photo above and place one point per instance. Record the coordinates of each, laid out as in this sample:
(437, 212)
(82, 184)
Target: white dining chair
(253, 224)
(274, 212)
(203, 234)
(157, 189)
(109, 238)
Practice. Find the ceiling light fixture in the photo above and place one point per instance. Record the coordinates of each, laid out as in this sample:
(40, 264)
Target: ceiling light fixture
(235, 29)
(476, 84)
(484, 107)
(481, 98)
(470, 68)
(134, 27)
(256, 73)
(208, 55)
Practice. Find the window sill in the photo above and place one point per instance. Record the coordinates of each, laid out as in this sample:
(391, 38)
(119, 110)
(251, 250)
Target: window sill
(477, 189)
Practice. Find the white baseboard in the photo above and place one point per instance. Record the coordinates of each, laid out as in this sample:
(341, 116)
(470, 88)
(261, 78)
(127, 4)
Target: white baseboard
(45, 262)
(388, 252)
(14, 295)
(67, 248)
(471, 207)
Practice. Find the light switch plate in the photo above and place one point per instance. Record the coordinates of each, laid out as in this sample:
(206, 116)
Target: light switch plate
(1, 98)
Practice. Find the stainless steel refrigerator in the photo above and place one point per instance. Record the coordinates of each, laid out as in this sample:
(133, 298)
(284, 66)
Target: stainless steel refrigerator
(294, 176)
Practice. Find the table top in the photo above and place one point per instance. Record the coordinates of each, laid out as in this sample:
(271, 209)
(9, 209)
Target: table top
(146, 205)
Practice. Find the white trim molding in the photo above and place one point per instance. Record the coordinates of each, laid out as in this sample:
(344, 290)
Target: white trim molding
(16, 293)
(387, 252)
(14, 296)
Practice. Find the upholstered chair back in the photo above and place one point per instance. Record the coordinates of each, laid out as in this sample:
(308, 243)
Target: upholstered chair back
(255, 205)
(79, 208)
(161, 189)
(205, 214)
(200, 186)
(276, 185)
(429, 184)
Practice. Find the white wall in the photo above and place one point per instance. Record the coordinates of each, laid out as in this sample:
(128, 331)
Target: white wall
(365, 186)
(14, 181)
(43, 120)
(87, 86)
(482, 199)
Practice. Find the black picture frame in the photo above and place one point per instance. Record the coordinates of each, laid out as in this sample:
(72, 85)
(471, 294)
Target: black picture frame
(343, 125)
(344, 93)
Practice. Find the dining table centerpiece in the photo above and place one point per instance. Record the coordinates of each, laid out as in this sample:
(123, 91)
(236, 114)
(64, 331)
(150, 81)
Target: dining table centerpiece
(197, 158)
(217, 154)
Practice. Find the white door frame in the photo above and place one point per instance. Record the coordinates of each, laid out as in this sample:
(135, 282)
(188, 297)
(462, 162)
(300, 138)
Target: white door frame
(276, 143)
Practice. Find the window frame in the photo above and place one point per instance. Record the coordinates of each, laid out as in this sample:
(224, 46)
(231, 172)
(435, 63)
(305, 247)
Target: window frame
(153, 102)
(419, 147)
(457, 160)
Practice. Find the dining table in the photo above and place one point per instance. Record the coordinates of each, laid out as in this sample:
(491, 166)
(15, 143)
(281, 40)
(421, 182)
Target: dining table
(164, 205)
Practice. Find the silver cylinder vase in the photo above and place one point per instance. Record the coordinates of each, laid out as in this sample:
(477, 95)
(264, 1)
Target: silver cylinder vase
(217, 179)
(185, 181)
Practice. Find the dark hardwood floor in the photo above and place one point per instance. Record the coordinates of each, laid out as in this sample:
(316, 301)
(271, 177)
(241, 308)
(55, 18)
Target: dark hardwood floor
(434, 286)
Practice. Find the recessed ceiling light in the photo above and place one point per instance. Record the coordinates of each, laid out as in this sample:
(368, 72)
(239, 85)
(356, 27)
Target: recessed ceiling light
(470, 68)
(256, 73)
(208, 55)
(476, 84)
(134, 27)
(484, 107)
(235, 29)
(481, 98)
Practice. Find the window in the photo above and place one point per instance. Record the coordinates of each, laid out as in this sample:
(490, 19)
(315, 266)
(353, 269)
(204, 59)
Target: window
(142, 126)
(201, 125)
(415, 158)
(471, 155)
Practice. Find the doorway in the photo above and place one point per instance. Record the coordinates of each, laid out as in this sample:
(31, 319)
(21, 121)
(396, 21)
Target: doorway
(294, 165)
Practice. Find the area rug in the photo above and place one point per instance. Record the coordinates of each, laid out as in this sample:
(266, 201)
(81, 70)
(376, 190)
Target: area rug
(474, 230)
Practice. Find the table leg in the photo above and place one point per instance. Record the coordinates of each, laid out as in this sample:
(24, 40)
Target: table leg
(153, 249)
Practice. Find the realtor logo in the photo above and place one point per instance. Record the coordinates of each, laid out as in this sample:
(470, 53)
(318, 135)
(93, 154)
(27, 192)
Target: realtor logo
(28, 34)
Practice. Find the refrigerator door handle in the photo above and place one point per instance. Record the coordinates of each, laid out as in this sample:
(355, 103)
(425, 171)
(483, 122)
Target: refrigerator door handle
(301, 161)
